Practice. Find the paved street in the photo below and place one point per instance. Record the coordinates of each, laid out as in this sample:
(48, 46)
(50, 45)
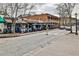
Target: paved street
(65, 45)
(32, 29)
(24, 44)
(68, 45)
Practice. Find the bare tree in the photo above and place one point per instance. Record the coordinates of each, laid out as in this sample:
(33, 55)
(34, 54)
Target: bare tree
(14, 7)
(66, 10)
(13, 10)
(69, 8)
(3, 9)
(25, 8)
(61, 11)
(28, 7)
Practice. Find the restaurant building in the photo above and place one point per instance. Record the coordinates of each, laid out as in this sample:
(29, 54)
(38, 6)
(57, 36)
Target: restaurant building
(31, 23)
(43, 19)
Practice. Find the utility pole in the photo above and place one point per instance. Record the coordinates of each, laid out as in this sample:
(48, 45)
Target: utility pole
(76, 24)
(70, 24)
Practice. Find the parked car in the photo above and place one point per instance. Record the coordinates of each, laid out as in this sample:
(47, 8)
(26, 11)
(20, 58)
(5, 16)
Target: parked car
(6, 30)
(62, 27)
(67, 28)
(29, 29)
(17, 30)
(23, 30)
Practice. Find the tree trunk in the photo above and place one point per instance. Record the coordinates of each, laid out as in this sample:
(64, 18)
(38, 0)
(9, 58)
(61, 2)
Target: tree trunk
(59, 22)
(70, 24)
(13, 26)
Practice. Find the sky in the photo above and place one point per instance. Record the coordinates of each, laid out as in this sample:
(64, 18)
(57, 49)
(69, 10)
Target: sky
(76, 10)
(39, 1)
(46, 8)
(51, 9)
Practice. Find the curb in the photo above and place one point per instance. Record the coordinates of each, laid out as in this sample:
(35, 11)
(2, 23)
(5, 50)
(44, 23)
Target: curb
(19, 34)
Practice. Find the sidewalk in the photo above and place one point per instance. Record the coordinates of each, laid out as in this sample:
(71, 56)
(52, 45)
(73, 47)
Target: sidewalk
(67, 45)
(19, 34)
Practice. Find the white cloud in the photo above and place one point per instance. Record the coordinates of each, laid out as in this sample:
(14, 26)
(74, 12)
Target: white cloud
(46, 8)
(76, 10)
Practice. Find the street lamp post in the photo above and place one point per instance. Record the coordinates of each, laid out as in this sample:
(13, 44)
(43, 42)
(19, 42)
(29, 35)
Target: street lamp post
(47, 27)
(76, 24)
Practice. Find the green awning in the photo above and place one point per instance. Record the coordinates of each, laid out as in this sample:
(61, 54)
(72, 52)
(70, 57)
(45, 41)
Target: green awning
(2, 20)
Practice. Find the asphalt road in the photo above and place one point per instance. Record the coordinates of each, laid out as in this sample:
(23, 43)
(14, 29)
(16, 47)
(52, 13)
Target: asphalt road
(19, 46)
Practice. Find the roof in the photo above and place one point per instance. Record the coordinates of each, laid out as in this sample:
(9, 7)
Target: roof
(35, 21)
(32, 21)
(42, 17)
(20, 21)
(8, 20)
